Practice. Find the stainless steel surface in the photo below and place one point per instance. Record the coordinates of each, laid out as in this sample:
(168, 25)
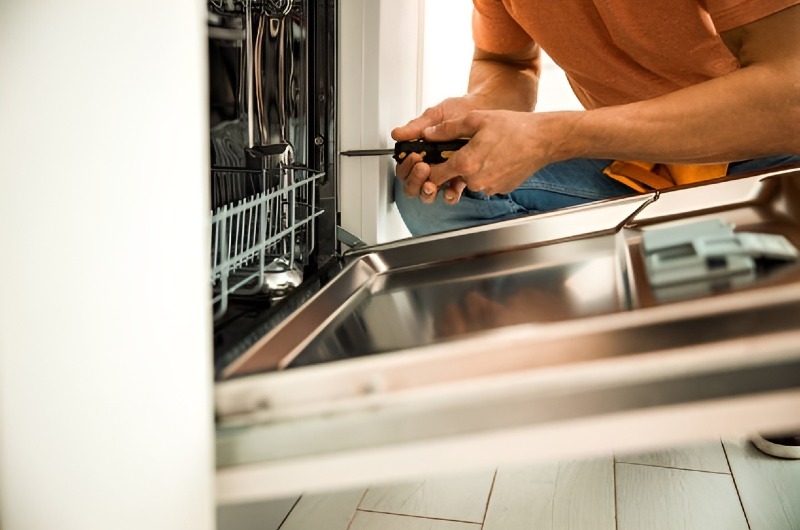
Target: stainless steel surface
(281, 277)
(529, 339)
(519, 398)
(282, 76)
(280, 347)
(768, 203)
(629, 431)
(410, 308)
(276, 75)
(644, 340)
(249, 68)
(367, 152)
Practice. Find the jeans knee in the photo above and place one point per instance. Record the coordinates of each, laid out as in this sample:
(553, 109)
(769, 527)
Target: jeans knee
(423, 219)
(413, 212)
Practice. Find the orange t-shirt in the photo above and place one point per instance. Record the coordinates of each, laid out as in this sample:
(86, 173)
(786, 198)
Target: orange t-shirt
(620, 51)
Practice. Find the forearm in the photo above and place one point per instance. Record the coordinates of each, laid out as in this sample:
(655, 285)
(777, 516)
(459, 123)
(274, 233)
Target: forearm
(505, 82)
(749, 113)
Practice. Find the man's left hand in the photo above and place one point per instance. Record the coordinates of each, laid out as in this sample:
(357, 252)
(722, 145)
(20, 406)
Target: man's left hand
(505, 147)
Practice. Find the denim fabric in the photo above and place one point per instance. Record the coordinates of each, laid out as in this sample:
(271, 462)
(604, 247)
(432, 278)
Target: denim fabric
(559, 185)
(745, 166)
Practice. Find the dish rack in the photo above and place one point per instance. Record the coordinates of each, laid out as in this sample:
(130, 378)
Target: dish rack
(264, 192)
(262, 231)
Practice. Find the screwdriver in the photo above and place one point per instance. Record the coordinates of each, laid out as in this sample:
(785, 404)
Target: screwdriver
(431, 152)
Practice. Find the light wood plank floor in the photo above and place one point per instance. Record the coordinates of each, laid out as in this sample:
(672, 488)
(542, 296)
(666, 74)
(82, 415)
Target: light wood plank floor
(768, 487)
(712, 486)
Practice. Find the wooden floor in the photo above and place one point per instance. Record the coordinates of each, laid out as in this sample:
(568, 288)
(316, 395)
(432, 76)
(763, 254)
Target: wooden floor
(725, 486)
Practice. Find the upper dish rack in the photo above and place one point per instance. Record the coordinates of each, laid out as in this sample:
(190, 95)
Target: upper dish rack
(263, 232)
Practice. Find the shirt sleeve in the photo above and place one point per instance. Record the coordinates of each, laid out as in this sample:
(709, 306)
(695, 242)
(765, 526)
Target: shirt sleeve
(729, 14)
(495, 30)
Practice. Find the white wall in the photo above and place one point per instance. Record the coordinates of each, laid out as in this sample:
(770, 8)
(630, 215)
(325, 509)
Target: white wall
(105, 383)
(378, 90)
(448, 53)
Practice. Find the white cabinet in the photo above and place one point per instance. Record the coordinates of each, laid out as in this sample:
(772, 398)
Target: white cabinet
(105, 376)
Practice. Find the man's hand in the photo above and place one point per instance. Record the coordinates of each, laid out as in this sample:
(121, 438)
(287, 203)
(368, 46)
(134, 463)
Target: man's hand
(505, 147)
(413, 172)
(506, 81)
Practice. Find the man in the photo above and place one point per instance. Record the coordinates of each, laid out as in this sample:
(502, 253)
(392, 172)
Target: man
(680, 82)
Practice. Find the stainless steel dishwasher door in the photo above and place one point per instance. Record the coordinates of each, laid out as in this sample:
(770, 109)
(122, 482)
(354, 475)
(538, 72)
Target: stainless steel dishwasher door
(529, 339)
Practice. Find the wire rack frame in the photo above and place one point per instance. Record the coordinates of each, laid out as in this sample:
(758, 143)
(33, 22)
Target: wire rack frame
(248, 234)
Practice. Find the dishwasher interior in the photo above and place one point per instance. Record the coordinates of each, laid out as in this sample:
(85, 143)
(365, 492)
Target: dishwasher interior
(272, 71)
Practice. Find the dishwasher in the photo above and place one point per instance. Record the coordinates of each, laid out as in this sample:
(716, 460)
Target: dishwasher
(651, 319)
(163, 165)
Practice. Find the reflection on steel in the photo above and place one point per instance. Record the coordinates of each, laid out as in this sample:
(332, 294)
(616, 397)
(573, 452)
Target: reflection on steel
(249, 67)
(411, 308)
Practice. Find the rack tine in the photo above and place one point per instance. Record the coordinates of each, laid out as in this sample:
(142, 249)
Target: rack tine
(252, 225)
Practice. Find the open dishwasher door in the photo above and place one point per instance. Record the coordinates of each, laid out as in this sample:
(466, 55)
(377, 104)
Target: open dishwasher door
(638, 322)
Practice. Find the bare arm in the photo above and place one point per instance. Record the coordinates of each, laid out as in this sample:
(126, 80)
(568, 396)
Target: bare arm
(752, 112)
(507, 81)
(496, 81)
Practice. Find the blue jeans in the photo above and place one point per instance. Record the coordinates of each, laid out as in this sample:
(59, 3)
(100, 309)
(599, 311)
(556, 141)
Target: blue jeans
(559, 185)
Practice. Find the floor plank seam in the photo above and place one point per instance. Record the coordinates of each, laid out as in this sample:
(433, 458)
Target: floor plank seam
(488, 499)
(553, 498)
(616, 500)
(364, 496)
(678, 468)
(420, 516)
(290, 512)
(736, 487)
(353, 515)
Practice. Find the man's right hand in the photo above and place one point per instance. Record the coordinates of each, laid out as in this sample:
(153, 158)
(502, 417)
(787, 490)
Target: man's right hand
(413, 172)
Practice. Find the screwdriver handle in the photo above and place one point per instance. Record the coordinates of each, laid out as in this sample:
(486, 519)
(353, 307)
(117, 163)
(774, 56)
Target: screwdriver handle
(432, 152)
